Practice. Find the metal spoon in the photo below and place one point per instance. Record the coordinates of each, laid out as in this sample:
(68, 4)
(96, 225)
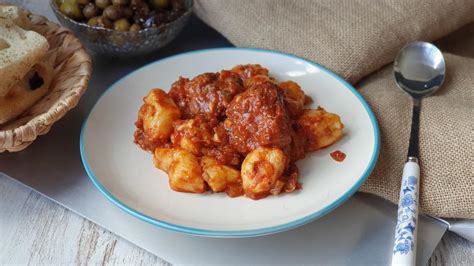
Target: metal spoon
(419, 71)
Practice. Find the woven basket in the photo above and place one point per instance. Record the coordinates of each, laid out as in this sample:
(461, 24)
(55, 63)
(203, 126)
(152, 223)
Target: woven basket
(72, 70)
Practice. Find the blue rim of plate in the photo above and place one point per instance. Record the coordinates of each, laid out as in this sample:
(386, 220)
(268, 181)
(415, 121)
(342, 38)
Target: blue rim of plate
(240, 233)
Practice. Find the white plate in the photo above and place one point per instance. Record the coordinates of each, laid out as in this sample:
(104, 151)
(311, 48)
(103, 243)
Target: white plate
(125, 174)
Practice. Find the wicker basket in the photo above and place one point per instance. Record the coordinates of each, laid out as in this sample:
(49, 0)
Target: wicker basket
(72, 70)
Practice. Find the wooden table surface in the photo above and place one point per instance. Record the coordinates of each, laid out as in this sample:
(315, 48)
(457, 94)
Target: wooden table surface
(35, 230)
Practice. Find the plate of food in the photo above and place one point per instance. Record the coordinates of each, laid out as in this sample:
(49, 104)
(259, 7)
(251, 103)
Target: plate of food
(230, 142)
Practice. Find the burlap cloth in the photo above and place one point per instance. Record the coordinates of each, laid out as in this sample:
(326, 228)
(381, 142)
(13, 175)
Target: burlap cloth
(355, 38)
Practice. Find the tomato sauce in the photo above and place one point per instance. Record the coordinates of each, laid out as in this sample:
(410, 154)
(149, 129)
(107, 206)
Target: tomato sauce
(228, 114)
(338, 156)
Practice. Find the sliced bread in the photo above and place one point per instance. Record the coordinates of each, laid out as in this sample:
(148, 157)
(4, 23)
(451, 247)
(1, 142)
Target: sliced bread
(18, 15)
(26, 92)
(19, 51)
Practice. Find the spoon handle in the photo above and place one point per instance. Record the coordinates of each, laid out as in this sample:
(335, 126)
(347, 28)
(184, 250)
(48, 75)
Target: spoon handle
(404, 248)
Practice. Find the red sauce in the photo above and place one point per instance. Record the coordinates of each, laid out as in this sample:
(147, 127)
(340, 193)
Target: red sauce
(338, 156)
(228, 114)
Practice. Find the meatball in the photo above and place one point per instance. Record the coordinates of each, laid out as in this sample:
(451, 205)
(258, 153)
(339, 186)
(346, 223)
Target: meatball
(207, 93)
(258, 118)
(298, 143)
(229, 84)
(178, 94)
(201, 94)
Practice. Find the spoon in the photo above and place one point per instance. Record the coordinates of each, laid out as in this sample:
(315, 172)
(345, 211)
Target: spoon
(419, 71)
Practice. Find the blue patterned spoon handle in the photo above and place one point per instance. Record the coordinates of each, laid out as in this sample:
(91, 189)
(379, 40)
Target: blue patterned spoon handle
(404, 248)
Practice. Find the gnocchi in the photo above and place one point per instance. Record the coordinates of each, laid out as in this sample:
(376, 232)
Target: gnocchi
(322, 128)
(248, 71)
(183, 168)
(155, 119)
(221, 177)
(257, 80)
(260, 171)
(294, 97)
(193, 135)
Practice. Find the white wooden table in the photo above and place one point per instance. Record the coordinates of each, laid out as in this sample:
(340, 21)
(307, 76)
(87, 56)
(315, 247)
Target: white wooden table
(35, 230)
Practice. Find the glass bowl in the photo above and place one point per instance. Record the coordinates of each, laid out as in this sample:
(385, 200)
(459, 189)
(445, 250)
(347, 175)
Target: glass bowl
(114, 43)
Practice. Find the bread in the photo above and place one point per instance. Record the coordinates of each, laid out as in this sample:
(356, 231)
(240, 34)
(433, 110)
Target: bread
(19, 51)
(17, 15)
(27, 91)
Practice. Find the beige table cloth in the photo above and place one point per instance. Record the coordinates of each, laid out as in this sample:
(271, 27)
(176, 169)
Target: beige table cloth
(357, 39)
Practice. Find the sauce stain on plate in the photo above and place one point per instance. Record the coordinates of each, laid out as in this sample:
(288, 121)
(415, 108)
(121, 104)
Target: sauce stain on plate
(338, 156)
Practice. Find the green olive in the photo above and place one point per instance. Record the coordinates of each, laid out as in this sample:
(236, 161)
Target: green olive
(71, 10)
(93, 21)
(83, 2)
(162, 4)
(90, 11)
(102, 4)
(113, 13)
(122, 25)
(120, 2)
(135, 27)
(104, 22)
(127, 12)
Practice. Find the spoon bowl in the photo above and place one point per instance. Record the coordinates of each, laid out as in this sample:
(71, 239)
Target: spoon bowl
(419, 69)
